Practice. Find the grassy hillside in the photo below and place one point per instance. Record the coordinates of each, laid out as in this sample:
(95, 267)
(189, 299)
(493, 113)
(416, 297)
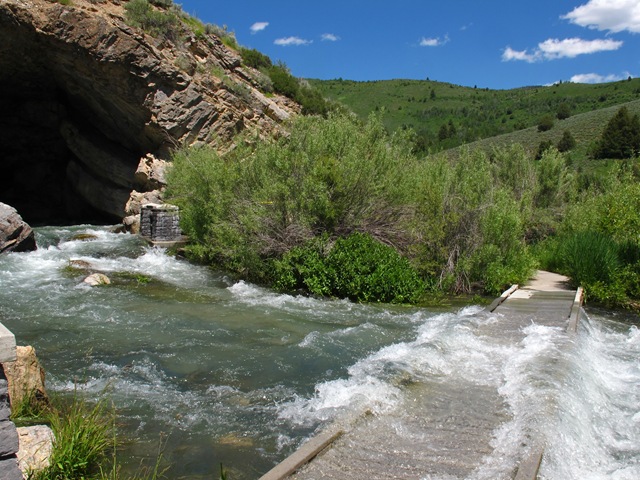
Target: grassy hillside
(585, 128)
(446, 115)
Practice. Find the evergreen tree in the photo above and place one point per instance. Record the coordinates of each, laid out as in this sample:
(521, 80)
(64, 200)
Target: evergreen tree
(567, 142)
(621, 136)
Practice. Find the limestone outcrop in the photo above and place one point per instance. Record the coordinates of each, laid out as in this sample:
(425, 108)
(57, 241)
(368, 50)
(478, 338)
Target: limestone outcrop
(85, 97)
(15, 234)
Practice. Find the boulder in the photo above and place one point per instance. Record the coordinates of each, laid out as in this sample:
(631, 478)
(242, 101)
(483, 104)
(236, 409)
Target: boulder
(150, 174)
(96, 279)
(15, 234)
(25, 376)
(36, 443)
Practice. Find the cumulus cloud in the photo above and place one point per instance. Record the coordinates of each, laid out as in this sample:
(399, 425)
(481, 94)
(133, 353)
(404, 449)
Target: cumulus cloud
(258, 27)
(611, 15)
(434, 42)
(292, 41)
(596, 78)
(553, 48)
(572, 47)
(511, 54)
(329, 37)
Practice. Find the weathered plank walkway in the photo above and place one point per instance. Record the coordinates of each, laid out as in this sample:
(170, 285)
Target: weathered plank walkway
(450, 432)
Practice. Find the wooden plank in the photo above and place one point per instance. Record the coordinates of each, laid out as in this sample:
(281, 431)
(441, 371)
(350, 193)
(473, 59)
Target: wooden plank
(303, 455)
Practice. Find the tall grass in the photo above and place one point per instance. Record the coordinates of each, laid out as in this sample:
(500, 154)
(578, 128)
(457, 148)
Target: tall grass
(82, 437)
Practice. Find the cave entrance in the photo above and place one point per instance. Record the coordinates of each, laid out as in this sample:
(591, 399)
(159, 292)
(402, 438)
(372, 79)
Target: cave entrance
(37, 162)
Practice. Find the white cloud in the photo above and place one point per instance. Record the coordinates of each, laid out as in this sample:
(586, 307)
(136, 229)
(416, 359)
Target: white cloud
(511, 54)
(553, 48)
(259, 26)
(596, 78)
(572, 47)
(329, 37)
(434, 42)
(612, 15)
(295, 41)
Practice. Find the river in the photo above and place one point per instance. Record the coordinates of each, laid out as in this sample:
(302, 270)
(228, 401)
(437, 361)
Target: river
(220, 371)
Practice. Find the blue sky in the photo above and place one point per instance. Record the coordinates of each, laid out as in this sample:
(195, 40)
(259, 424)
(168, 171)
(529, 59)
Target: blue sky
(487, 43)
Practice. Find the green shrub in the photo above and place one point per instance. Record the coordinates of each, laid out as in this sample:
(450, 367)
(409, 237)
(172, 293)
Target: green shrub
(330, 176)
(305, 268)
(356, 267)
(545, 123)
(255, 59)
(503, 258)
(158, 23)
(370, 271)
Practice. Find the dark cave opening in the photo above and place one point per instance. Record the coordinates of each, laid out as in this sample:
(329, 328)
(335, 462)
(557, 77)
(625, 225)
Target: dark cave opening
(35, 159)
(57, 167)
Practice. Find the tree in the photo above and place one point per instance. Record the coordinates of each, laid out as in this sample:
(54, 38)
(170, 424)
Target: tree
(567, 142)
(621, 136)
(546, 123)
(564, 111)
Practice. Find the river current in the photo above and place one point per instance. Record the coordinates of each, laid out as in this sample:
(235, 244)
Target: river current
(220, 371)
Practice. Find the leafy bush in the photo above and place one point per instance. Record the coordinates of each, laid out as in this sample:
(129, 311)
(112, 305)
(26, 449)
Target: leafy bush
(545, 123)
(334, 176)
(356, 267)
(255, 59)
(564, 111)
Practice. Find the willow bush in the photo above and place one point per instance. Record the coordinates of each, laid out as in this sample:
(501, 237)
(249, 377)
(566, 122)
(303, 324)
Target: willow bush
(279, 211)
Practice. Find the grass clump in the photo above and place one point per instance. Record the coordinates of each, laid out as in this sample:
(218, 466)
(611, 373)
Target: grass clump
(82, 437)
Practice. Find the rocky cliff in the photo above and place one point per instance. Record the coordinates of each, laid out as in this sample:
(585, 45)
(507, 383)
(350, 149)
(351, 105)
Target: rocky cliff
(85, 96)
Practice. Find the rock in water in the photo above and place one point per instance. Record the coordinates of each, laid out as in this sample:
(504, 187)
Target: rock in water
(96, 279)
(15, 234)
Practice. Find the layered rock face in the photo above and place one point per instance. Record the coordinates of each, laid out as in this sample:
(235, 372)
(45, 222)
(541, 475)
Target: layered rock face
(84, 97)
(15, 234)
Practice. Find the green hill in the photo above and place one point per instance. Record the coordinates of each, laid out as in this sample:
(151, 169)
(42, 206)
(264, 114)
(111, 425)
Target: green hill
(585, 128)
(446, 115)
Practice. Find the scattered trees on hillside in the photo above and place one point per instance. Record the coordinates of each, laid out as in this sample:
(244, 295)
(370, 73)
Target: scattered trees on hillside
(621, 136)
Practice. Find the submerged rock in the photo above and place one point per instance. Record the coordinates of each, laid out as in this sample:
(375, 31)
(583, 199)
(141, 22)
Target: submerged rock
(15, 234)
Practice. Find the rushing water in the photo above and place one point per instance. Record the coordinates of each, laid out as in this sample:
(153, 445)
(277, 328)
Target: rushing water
(227, 372)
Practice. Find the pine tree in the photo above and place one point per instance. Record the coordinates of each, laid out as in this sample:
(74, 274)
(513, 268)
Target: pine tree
(621, 136)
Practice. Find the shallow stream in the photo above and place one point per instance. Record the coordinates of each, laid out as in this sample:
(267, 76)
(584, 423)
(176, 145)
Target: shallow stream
(226, 372)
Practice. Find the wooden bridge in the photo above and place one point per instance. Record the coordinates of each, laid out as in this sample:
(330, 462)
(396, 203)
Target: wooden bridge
(451, 431)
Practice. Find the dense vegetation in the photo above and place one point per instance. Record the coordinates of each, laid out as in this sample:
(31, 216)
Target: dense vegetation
(445, 115)
(342, 208)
